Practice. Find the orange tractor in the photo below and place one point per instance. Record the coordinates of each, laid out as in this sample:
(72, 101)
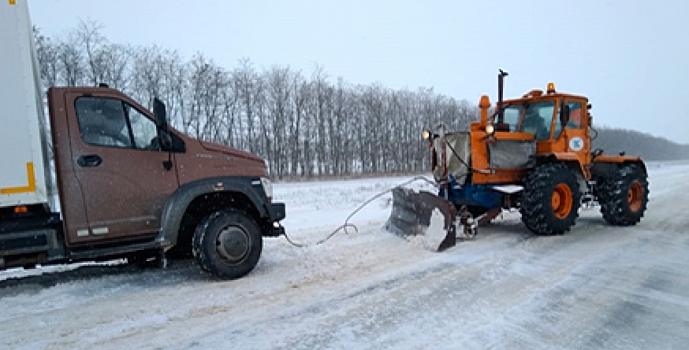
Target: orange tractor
(532, 153)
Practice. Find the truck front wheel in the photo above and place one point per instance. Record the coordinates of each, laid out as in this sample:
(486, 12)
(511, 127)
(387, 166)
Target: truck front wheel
(227, 244)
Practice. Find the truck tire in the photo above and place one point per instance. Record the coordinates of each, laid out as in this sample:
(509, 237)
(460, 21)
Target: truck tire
(551, 199)
(624, 196)
(227, 244)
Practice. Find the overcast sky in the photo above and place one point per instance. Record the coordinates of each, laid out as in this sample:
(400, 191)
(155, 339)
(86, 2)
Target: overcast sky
(628, 57)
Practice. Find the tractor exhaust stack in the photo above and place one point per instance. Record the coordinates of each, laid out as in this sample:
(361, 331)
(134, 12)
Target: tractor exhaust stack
(501, 83)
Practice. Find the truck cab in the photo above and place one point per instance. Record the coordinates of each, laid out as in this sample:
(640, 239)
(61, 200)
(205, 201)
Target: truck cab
(128, 185)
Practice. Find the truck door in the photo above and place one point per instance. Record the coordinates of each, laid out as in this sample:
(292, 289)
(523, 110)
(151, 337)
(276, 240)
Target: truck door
(118, 166)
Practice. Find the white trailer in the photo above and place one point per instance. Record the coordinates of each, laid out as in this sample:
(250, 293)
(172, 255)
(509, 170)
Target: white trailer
(24, 175)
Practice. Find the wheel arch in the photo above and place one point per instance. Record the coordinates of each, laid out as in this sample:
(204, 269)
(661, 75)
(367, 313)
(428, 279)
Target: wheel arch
(606, 166)
(572, 163)
(191, 202)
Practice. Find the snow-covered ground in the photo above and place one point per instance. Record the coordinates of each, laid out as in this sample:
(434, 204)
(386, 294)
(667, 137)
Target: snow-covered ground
(597, 287)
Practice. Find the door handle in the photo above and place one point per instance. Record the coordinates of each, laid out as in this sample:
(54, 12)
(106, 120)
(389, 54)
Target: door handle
(90, 160)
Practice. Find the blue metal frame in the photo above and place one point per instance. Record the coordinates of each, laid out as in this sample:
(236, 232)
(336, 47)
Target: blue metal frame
(471, 195)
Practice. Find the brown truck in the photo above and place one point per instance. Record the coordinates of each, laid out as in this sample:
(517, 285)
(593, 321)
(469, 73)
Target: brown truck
(128, 185)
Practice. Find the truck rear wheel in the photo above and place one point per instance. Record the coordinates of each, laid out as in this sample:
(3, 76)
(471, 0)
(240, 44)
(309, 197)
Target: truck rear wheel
(551, 199)
(227, 244)
(624, 196)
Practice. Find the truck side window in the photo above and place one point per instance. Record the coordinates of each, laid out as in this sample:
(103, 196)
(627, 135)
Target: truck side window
(143, 129)
(102, 122)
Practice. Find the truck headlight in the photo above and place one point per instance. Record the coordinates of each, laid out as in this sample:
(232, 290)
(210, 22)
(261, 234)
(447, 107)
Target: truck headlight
(490, 129)
(267, 187)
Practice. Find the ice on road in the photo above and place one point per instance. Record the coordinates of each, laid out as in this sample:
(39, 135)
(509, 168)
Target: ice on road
(596, 287)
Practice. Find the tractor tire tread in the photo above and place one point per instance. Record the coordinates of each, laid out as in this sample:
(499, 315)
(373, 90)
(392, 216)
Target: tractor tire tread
(536, 209)
(613, 196)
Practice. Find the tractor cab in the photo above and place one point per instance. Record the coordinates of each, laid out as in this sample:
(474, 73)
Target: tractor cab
(543, 115)
(556, 122)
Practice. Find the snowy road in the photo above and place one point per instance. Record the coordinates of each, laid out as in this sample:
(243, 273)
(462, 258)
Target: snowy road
(597, 287)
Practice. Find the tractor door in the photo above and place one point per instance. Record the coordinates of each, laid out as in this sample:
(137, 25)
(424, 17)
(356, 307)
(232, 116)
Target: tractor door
(119, 180)
(570, 130)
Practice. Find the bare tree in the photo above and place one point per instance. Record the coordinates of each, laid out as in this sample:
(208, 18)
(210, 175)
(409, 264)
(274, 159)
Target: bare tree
(160, 73)
(279, 94)
(47, 55)
(301, 126)
(248, 87)
(209, 85)
(300, 96)
(70, 59)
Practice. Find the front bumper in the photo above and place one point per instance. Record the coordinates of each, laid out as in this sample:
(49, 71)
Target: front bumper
(276, 212)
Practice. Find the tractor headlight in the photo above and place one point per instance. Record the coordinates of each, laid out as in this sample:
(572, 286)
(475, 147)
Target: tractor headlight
(426, 134)
(490, 129)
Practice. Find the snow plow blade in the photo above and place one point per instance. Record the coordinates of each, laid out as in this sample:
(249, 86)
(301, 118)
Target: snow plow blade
(423, 213)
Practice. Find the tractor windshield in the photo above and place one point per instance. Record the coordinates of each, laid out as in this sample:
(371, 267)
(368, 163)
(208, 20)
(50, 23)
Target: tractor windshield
(538, 118)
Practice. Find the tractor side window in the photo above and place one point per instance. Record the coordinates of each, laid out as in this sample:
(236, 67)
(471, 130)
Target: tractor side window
(511, 116)
(574, 118)
(144, 129)
(102, 122)
(575, 115)
(538, 119)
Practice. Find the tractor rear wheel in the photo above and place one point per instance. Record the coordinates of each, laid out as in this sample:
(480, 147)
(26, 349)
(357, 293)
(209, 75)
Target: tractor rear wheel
(551, 199)
(624, 196)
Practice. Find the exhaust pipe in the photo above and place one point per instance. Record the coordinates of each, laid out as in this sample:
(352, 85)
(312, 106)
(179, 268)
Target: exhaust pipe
(501, 81)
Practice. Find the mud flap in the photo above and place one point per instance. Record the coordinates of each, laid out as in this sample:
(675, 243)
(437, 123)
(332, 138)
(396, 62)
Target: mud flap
(423, 213)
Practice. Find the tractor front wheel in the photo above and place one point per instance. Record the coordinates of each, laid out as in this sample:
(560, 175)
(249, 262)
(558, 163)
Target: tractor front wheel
(551, 199)
(624, 196)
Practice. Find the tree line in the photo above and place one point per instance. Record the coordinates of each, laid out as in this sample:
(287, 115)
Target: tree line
(634, 143)
(304, 125)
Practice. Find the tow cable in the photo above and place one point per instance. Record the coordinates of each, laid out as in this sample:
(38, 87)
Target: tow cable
(346, 225)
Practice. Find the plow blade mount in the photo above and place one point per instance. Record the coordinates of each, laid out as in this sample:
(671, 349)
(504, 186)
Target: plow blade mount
(423, 213)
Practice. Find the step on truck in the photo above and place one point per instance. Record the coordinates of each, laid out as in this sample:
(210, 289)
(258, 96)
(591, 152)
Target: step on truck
(104, 178)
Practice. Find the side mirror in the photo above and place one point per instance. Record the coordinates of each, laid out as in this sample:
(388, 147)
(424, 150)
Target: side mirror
(564, 115)
(165, 141)
(160, 114)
